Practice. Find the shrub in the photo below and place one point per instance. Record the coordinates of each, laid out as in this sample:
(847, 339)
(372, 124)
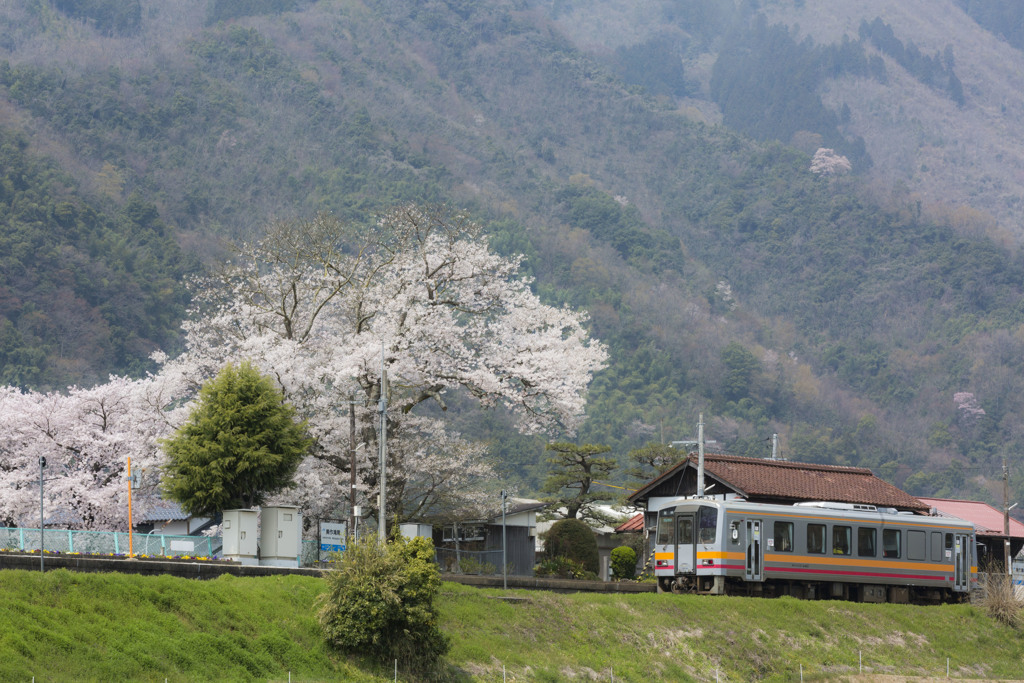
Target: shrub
(999, 600)
(624, 562)
(573, 539)
(563, 568)
(380, 602)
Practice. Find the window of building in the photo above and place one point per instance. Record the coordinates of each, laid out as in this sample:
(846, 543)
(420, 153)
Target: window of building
(890, 543)
(783, 537)
(842, 540)
(816, 538)
(866, 537)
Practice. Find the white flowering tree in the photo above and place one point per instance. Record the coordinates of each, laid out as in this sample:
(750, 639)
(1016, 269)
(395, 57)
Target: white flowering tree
(86, 436)
(321, 305)
(826, 162)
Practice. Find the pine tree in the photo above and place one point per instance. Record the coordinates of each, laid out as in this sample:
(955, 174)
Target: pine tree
(574, 471)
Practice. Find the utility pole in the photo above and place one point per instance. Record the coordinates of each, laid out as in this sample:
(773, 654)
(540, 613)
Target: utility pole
(1006, 516)
(383, 407)
(352, 467)
(700, 454)
(42, 525)
(504, 547)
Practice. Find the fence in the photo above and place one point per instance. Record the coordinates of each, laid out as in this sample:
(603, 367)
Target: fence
(116, 543)
(109, 542)
(486, 562)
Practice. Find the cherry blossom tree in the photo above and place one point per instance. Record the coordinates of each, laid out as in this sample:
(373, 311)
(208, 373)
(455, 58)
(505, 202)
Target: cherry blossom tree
(86, 436)
(322, 305)
(827, 162)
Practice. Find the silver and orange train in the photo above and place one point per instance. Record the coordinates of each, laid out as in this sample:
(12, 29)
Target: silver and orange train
(812, 550)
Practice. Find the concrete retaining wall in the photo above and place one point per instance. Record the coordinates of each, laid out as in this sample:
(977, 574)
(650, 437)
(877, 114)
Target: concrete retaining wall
(213, 569)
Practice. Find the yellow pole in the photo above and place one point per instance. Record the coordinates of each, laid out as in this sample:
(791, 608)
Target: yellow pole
(131, 549)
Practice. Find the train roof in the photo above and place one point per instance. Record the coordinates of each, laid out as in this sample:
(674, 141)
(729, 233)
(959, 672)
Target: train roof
(823, 509)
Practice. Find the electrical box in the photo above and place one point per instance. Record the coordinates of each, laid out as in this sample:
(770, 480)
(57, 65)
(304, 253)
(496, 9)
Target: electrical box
(280, 536)
(241, 536)
(417, 530)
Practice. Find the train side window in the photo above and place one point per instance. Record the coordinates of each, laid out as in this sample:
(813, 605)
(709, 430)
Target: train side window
(816, 538)
(684, 530)
(842, 540)
(890, 543)
(917, 545)
(708, 524)
(665, 523)
(936, 546)
(866, 538)
(949, 541)
(784, 537)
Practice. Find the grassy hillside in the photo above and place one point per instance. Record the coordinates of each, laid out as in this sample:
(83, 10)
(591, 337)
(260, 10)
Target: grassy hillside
(63, 626)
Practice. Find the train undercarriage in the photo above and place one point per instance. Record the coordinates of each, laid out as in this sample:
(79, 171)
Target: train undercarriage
(808, 590)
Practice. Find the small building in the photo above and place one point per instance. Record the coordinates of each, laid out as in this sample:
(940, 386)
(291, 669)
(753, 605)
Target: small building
(988, 524)
(475, 545)
(167, 517)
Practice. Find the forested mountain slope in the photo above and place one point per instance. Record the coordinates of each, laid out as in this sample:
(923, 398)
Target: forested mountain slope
(725, 276)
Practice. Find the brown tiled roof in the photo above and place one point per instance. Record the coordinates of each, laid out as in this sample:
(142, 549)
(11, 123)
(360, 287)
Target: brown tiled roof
(634, 523)
(755, 478)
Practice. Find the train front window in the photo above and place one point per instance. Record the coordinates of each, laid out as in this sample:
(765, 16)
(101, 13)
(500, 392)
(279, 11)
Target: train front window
(665, 523)
(816, 538)
(708, 523)
(684, 530)
(890, 543)
(841, 540)
(866, 541)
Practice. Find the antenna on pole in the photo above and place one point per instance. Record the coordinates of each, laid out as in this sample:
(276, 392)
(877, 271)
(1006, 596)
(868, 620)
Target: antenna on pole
(700, 454)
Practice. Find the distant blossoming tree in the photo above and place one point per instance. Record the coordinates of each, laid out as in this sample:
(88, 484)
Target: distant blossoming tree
(827, 162)
(86, 437)
(967, 405)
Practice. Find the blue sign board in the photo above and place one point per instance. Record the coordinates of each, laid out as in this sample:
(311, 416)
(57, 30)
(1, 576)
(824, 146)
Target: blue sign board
(332, 536)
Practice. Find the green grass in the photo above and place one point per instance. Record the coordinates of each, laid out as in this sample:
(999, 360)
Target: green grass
(64, 626)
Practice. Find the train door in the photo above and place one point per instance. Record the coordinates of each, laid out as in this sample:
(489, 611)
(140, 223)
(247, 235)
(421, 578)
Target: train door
(685, 548)
(961, 563)
(755, 552)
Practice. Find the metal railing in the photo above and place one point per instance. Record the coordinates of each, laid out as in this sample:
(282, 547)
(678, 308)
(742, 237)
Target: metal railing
(71, 541)
(484, 562)
(109, 542)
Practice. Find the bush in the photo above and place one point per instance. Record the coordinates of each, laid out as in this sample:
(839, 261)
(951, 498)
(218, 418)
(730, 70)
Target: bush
(380, 602)
(573, 539)
(1000, 601)
(624, 562)
(563, 568)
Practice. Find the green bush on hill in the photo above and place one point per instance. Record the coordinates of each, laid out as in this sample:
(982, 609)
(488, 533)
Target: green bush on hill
(572, 539)
(380, 602)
